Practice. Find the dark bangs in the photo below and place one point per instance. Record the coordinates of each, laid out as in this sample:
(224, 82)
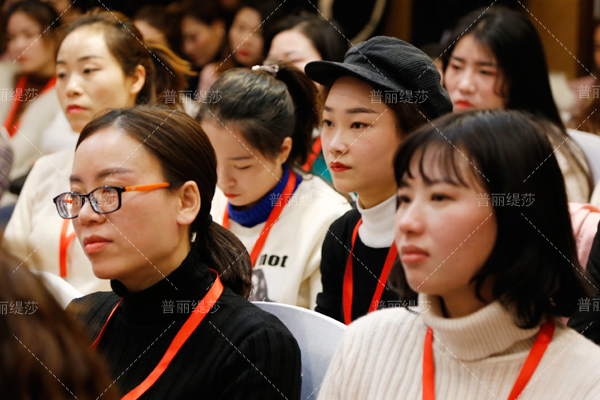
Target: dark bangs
(533, 268)
(432, 146)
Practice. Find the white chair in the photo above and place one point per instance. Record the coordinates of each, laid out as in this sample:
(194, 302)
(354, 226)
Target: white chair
(318, 337)
(590, 144)
(61, 289)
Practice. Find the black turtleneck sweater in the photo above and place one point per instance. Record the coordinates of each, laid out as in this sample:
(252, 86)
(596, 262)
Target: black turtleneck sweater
(237, 352)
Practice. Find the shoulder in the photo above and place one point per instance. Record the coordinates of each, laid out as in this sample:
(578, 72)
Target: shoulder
(320, 189)
(374, 343)
(386, 321)
(581, 349)
(245, 316)
(57, 165)
(247, 327)
(568, 349)
(93, 309)
(346, 223)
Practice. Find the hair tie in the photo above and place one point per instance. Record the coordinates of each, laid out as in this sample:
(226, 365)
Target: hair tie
(207, 222)
(203, 229)
(272, 69)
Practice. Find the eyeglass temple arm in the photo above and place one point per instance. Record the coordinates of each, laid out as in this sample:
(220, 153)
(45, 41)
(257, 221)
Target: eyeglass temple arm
(146, 188)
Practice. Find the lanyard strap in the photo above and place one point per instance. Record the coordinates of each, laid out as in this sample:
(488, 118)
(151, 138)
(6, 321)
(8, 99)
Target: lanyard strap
(536, 353)
(348, 290)
(273, 216)
(182, 336)
(65, 241)
(9, 123)
(312, 157)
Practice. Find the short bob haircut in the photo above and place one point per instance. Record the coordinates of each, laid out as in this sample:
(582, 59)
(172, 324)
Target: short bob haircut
(533, 267)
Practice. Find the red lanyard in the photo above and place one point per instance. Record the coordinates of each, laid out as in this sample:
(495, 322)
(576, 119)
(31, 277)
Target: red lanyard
(312, 157)
(349, 284)
(9, 123)
(533, 359)
(184, 333)
(275, 213)
(65, 241)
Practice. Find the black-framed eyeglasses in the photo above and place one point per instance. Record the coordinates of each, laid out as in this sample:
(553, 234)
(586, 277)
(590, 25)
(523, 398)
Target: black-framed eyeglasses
(104, 199)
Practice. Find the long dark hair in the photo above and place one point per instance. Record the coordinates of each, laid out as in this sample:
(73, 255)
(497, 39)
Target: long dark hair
(185, 154)
(164, 70)
(267, 107)
(45, 354)
(533, 267)
(517, 47)
(322, 33)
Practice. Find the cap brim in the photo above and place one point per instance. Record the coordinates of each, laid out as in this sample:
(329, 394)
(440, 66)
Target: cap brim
(327, 72)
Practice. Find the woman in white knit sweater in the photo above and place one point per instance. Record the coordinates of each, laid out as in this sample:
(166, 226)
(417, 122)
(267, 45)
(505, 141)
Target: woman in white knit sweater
(484, 238)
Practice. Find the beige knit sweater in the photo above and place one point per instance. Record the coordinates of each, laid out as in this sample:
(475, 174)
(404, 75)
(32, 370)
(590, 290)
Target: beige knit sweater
(476, 357)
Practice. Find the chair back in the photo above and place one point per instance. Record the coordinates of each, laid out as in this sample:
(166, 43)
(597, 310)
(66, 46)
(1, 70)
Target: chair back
(318, 337)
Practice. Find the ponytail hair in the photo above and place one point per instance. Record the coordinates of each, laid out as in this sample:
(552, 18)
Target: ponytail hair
(185, 154)
(165, 71)
(268, 104)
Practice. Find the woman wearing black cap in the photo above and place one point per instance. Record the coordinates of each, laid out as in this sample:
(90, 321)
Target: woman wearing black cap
(384, 89)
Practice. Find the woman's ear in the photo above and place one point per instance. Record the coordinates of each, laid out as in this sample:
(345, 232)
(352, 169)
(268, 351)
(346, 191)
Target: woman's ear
(190, 202)
(138, 79)
(284, 150)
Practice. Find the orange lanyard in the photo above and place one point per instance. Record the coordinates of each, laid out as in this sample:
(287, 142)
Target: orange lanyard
(9, 123)
(312, 157)
(63, 246)
(184, 333)
(273, 216)
(349, 284)
(533, 359)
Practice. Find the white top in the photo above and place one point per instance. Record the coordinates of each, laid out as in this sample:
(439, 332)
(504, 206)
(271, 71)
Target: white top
(26, 142)
(33, 232)
(476, 357)
(288, 267)
(377, 227)
(58, 136)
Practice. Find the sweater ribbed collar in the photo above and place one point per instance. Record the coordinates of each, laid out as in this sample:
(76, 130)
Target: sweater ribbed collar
(487, 332)
(377, 228)
(171, 298)
(260, 212)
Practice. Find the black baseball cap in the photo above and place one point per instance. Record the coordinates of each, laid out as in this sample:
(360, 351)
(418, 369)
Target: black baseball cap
(388, 64)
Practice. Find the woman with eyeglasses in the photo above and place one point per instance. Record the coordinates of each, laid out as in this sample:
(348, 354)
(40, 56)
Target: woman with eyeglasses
(177, 324)
(101, 63)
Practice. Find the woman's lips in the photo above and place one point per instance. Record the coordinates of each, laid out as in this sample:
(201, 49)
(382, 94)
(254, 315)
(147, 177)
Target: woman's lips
(94, 244)
(338, 167)
(230, 195)
(72, 109)
(412, 254)
(463, 104)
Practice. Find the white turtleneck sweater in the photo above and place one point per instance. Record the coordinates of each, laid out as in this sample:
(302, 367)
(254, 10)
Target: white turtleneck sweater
(377, 228)
(476, 357)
